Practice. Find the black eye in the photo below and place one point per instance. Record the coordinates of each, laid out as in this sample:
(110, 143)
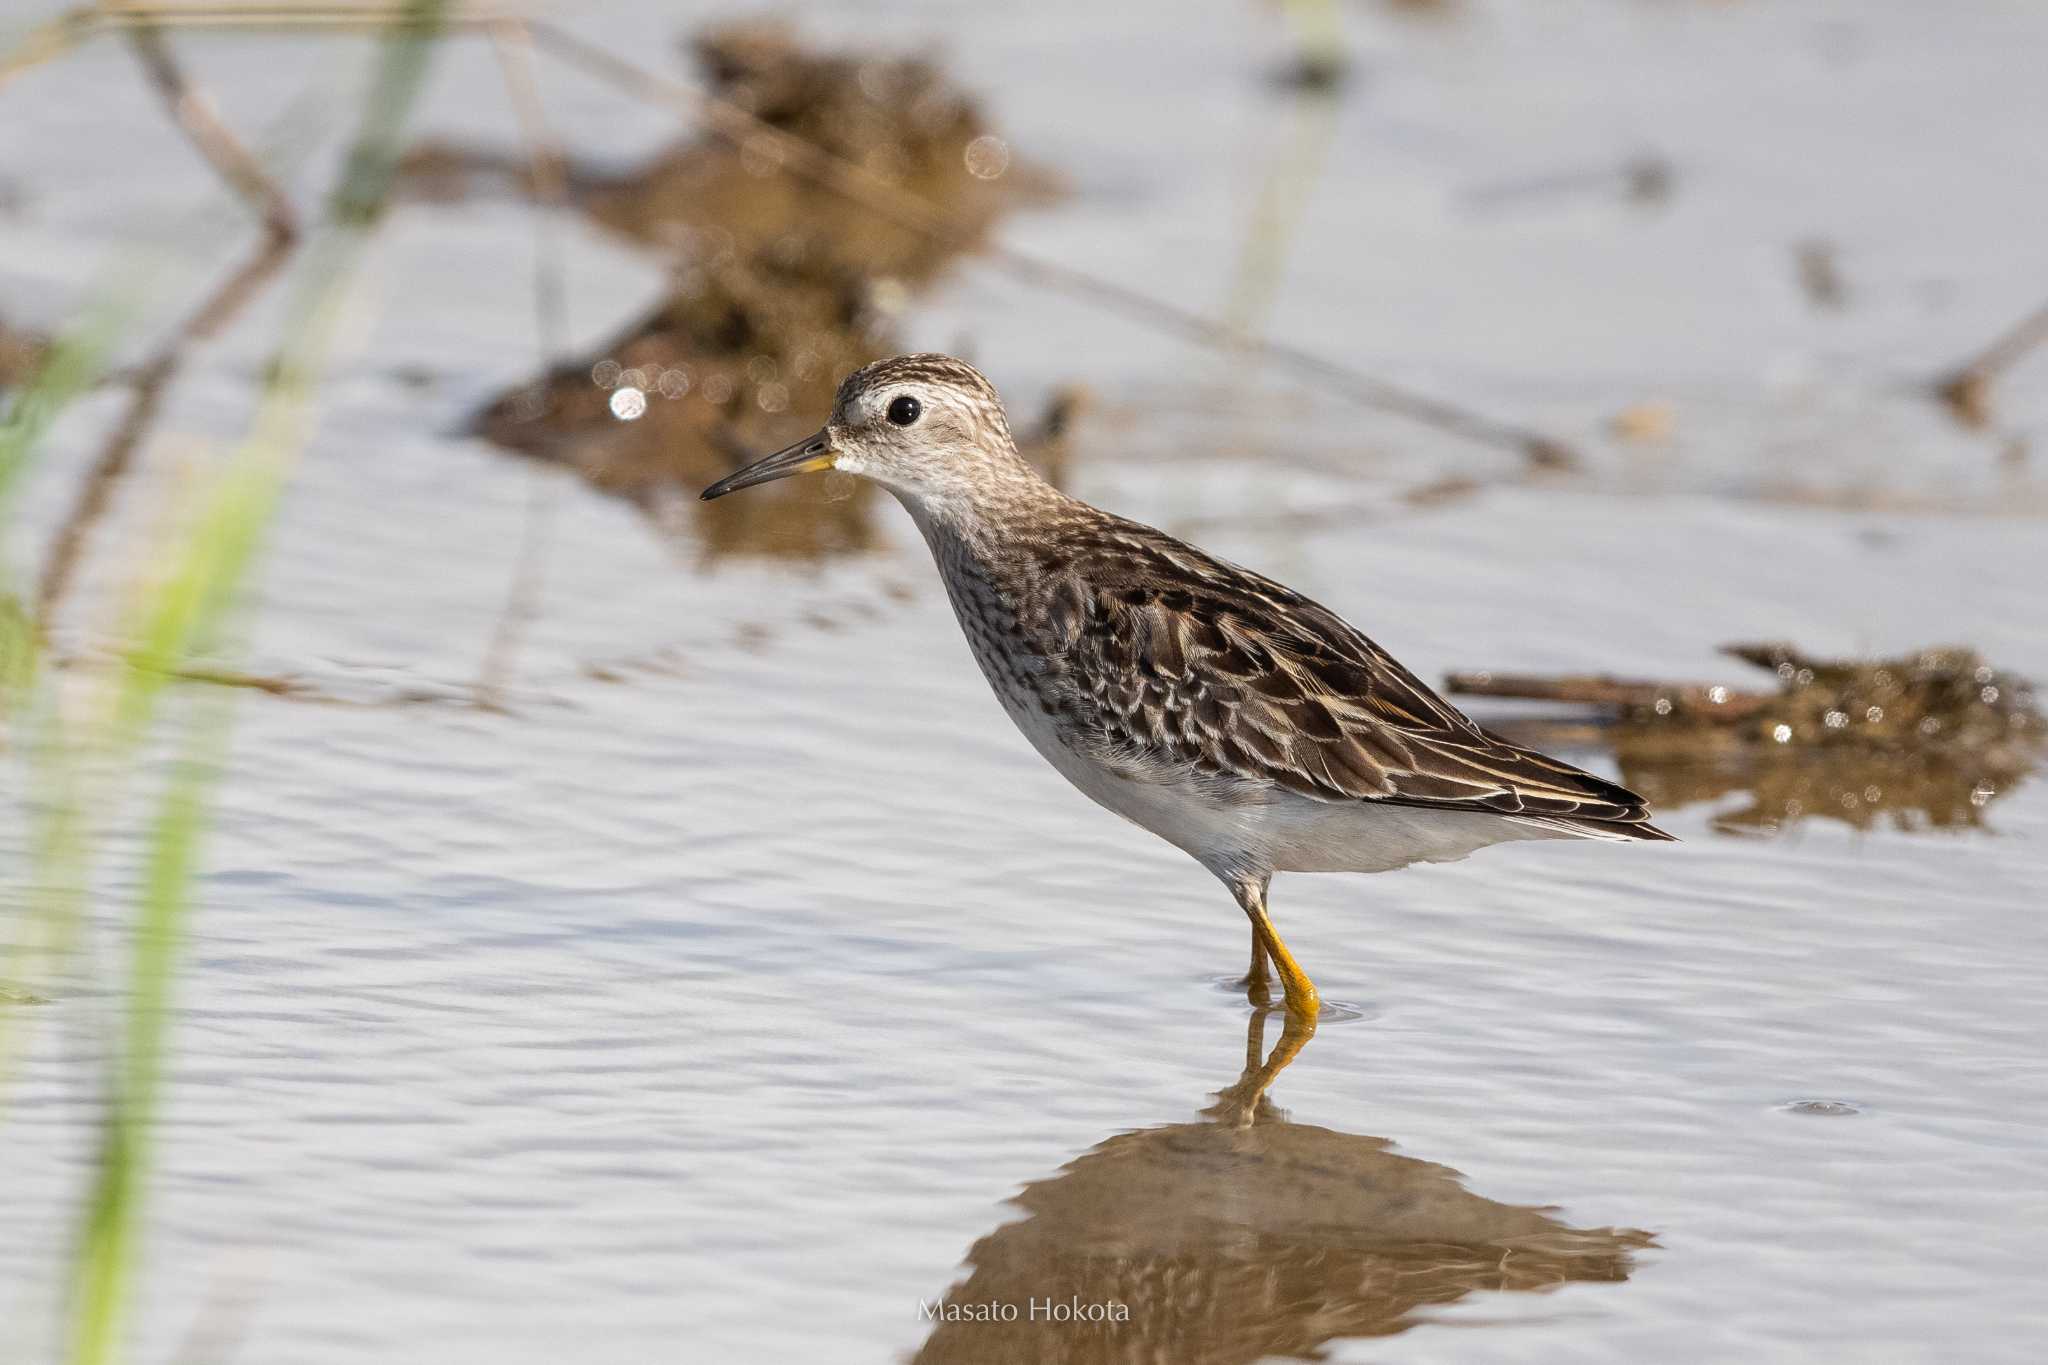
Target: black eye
(904, 410)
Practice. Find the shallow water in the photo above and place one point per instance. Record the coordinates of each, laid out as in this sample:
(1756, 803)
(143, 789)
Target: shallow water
(718, 998)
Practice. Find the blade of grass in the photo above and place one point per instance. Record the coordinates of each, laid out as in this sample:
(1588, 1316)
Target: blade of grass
(73, 366)
(103, 1270)
(62, 807)
(185, 613)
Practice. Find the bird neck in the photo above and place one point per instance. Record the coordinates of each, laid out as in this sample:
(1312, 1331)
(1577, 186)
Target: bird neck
(1005, 497)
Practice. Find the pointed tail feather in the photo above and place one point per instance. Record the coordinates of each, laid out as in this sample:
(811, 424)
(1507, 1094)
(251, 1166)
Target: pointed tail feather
(1589, 827)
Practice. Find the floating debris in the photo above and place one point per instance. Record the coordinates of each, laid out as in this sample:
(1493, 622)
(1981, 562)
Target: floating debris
(1648, 422)
(1967, 395)
(1647, 180)
(1926, 740)
(1818, 263)
(1832, 1109)
(781, 287)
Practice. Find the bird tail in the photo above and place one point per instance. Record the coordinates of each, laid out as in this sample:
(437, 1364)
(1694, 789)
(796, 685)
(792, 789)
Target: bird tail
(1637, 826)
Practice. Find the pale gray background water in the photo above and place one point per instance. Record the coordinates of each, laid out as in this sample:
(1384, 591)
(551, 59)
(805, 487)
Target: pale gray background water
(714, 1011)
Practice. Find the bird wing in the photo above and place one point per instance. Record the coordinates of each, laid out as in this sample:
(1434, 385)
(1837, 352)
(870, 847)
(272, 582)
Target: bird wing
(1213, 667)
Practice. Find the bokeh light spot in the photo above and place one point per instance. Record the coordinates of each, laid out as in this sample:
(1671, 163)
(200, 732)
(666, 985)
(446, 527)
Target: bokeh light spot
(628, 403)
(987, 157)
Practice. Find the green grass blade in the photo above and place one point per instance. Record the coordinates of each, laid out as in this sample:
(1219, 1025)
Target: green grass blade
(103, 1269)
(186, 613)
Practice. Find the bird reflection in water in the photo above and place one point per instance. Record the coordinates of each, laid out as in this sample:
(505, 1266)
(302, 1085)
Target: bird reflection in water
(1246, 1236)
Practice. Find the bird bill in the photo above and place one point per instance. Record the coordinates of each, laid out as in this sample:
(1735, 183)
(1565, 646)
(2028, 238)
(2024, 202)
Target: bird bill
(812, 453)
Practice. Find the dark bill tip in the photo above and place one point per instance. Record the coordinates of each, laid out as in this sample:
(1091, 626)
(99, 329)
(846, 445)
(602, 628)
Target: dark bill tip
(812, 453)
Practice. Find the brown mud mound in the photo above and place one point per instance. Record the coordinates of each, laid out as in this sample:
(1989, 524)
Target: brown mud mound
(1925, 740)
(781, 286)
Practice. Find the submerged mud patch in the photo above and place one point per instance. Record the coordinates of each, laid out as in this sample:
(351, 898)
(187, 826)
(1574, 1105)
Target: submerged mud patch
(781, 284)
(1924, 740)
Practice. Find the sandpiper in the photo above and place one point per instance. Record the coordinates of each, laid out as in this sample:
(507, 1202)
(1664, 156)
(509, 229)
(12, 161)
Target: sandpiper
(1229, 715)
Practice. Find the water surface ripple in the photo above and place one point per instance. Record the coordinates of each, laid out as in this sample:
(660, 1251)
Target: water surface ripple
(748, 984)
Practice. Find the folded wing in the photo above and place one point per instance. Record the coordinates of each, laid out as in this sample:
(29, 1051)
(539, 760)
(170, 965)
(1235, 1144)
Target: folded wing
(1242, 676)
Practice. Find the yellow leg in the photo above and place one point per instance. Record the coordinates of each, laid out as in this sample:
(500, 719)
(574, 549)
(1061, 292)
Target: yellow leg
(1301, 992)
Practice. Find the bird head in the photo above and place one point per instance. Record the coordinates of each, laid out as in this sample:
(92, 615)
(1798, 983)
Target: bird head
(928, 428)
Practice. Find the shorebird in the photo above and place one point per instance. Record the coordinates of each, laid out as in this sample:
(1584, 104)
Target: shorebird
(1241, 722)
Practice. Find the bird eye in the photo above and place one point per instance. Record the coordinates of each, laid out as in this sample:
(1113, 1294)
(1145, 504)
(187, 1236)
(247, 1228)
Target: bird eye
(905, 410)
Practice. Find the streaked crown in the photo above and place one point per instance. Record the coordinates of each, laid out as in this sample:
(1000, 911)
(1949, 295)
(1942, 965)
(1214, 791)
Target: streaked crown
(958, 383)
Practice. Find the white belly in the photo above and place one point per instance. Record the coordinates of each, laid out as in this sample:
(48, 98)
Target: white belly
(1272, 829)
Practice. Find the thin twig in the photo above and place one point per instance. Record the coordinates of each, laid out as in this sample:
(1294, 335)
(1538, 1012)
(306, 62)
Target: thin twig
(512, 42)
(1723, 703)
(513, 45)
(194, 113)
(1967, 390)
(58, 36)
(309, 687)
(49, 41)
(217, 143)
(235, 677)
(152, 380)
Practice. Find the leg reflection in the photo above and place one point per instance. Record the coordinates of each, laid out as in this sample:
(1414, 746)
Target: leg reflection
(1257, 981)
(1245, 1102)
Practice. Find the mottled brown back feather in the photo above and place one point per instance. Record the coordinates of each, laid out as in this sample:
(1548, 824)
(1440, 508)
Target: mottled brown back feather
(1164, 654)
